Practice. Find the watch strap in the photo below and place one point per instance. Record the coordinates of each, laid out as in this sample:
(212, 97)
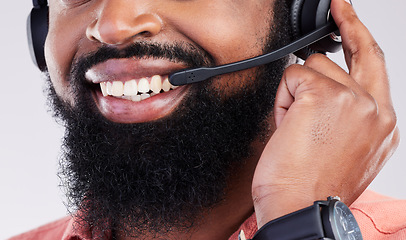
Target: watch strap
(304, 224)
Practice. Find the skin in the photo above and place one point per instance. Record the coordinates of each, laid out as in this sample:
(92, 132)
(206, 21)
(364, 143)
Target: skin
(332, 131)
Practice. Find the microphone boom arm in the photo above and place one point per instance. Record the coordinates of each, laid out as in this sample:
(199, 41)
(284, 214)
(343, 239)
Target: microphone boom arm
(193, 75)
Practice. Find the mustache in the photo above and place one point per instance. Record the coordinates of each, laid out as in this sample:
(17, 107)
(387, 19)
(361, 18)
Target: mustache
(184, 53)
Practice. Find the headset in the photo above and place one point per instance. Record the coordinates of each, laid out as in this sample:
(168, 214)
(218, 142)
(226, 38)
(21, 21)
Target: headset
(313, 29)
(37, 30)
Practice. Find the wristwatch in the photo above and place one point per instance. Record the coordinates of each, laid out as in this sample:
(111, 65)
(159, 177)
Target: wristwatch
(330, 219)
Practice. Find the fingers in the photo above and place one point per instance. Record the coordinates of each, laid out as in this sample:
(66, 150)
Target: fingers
(358, 44)
(363, 55)
(330, 69)
(367, 79)
(304, 86)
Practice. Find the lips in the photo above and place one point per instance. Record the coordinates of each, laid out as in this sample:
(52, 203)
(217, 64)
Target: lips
(135, 90)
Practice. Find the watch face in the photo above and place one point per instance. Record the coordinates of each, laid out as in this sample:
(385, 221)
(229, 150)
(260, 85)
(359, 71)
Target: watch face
(345, 227)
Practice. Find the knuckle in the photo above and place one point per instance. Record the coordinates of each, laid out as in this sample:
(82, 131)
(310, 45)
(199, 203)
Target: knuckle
(388, 120)
(383, 117)
(292, 72)
(353, 52)
(372, 50)
(314, 60)
(364, 107)
(367, 109)
(396, 137)
(319, 92)
(345, 97)
(370, 107)
(292, 68)
(312, 99)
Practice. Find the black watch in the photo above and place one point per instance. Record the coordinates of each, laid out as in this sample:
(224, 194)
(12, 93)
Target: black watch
(330, 219)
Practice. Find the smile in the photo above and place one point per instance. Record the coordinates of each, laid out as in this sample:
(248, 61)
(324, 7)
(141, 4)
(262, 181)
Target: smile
(133, 91)
(137, 89)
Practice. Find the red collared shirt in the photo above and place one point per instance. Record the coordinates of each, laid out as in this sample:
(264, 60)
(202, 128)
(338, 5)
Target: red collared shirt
(379, 217)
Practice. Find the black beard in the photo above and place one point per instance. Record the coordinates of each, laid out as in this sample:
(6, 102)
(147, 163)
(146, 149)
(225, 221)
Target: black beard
(163, 175)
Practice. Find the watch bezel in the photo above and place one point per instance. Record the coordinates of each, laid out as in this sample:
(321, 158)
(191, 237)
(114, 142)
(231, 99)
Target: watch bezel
(329, 220)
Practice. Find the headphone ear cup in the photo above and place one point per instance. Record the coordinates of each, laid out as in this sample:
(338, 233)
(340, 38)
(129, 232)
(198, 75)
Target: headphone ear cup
(332, 42)
(306, 17)
(37, 30)
(297, 31)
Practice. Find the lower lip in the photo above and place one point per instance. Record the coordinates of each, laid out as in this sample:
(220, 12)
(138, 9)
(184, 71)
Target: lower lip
(153, 108)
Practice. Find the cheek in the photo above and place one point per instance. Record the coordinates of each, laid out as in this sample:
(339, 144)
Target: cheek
(61, 46)
(56, 63)
(229, 32)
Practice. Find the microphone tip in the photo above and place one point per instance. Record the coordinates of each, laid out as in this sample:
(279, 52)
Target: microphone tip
(178, 78)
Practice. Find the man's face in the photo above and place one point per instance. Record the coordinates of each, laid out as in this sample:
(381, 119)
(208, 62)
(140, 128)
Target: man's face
(158, 163)
(225, 30)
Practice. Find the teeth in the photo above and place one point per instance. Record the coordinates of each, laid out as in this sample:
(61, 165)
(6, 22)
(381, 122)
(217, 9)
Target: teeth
(130, 90)
(143, 86)
(166, 85)
(117, 89)
(136, 98)
(109, 87)
(103, 88)
(156, 84)
(145, 96)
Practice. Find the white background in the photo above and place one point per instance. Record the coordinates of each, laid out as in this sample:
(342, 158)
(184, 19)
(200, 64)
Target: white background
(30, 138)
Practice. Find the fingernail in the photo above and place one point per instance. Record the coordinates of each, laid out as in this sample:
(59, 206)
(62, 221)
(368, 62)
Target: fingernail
(348, 1)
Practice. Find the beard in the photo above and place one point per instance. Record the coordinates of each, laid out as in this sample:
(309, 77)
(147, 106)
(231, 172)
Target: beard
(163, 175)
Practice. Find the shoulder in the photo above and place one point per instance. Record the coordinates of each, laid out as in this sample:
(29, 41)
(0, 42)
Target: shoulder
(380, 217)
(54, 230)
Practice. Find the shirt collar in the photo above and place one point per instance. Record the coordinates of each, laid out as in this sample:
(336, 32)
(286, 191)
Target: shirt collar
(78, 230)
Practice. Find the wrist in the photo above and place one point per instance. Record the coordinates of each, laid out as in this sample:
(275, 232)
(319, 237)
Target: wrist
(272, 203)
(329, 219)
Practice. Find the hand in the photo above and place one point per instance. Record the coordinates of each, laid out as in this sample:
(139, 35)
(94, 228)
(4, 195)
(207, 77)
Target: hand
(334, 130)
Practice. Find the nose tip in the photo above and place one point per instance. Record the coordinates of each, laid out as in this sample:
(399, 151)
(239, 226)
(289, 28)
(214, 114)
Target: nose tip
(118, 29)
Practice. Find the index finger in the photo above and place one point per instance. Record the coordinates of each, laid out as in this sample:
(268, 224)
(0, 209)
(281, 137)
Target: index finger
(364, 57)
